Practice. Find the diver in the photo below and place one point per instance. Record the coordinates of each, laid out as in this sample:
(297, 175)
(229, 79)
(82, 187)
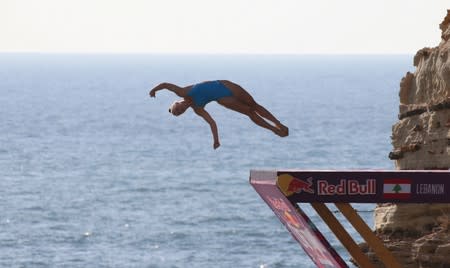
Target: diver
(226, 93)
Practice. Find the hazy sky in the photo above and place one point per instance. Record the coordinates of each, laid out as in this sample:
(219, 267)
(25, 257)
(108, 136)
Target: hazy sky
(226, 26)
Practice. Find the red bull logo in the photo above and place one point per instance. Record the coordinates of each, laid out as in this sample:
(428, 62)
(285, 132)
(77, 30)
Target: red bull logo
(290, 185)
(297, 186)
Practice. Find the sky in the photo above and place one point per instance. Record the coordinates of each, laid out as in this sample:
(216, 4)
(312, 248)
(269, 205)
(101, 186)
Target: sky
(221, 26)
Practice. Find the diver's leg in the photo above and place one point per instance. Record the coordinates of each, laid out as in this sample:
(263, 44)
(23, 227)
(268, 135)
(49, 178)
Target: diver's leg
(243, 96)
(235, 105)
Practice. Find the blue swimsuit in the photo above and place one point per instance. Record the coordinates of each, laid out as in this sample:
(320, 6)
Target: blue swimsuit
(206, 92)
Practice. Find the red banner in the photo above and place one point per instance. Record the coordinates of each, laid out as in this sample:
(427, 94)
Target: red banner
(298, 224)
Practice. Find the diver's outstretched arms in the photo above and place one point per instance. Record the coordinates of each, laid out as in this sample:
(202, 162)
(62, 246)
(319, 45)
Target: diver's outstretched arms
(180, 91)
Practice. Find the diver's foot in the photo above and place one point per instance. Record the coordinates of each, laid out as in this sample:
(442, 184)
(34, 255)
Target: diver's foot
(282, 131)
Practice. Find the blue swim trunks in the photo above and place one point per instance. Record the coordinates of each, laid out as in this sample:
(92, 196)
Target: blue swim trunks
(206, 92)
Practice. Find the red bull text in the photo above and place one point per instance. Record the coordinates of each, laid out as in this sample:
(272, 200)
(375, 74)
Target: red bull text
(344, 187)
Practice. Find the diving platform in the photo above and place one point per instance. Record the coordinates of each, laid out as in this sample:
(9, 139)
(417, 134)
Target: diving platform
(285, 190)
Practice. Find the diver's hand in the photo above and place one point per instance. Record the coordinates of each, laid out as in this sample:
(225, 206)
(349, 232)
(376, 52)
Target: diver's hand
(216, 145)
(152, 93)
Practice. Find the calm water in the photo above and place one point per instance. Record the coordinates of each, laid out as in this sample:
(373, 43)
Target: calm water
(94, 173)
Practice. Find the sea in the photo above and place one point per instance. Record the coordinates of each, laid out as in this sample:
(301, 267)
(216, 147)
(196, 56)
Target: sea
(95, 173)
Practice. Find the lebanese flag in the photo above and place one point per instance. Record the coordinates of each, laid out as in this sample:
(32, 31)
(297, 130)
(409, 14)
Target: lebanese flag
(397, 188)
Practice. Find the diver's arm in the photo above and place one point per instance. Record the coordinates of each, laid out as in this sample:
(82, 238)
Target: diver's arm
(205, 115)
(180, 91)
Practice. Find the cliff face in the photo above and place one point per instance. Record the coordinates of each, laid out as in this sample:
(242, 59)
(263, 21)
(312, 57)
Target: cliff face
(418, 234)
(421, 136)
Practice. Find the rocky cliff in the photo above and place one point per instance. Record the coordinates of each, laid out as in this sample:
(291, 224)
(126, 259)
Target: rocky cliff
(418, 234)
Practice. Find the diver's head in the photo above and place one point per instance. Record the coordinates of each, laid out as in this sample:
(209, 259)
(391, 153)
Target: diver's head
(178, 107)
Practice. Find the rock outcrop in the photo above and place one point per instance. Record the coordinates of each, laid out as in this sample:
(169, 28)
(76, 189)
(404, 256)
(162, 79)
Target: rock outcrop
(418, 234)
(421, 136)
